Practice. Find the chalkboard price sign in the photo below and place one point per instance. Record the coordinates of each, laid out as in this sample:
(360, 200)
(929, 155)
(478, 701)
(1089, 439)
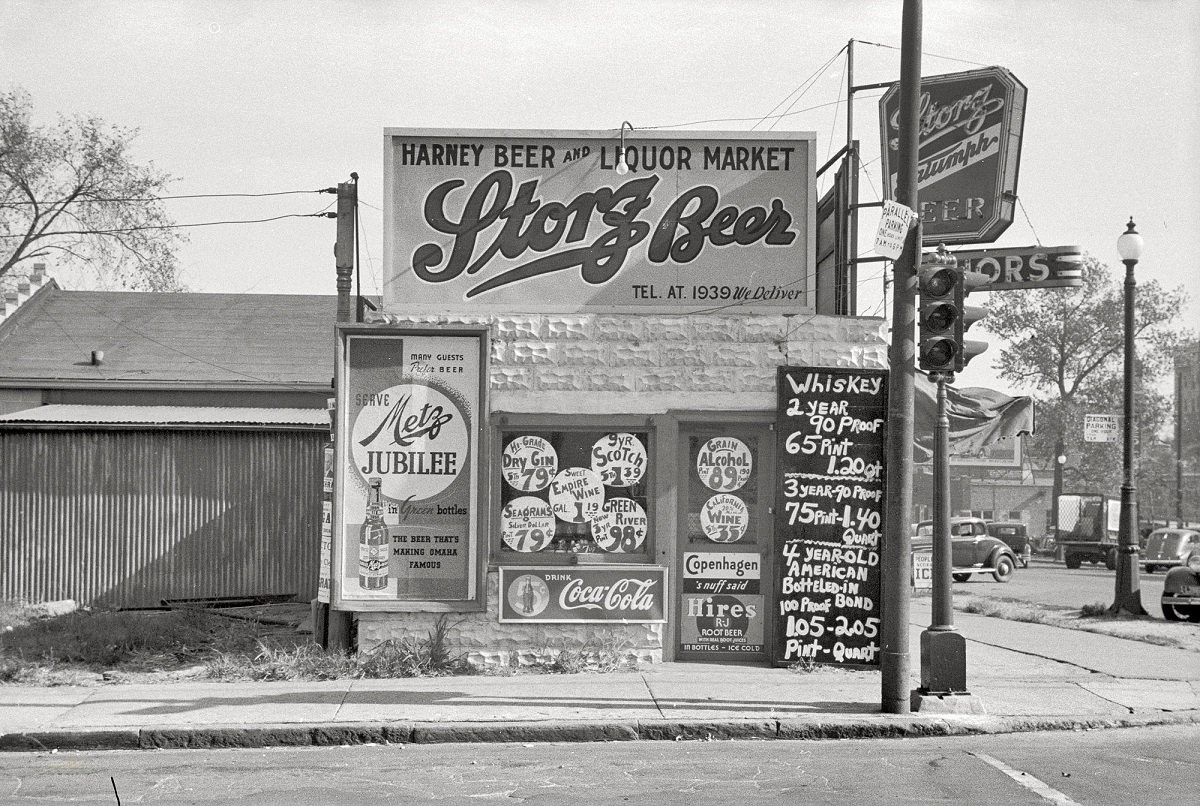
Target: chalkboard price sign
(830, 427)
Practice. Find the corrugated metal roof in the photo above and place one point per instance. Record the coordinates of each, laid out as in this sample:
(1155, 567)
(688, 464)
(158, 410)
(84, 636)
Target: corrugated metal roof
(167, 415)
(228, 340)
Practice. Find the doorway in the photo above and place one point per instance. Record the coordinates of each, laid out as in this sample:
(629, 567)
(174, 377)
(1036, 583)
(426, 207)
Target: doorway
(725, 497)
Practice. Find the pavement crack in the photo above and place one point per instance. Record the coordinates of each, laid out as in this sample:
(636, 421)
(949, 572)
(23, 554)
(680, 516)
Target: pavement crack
(1043, 657)
(653, 699)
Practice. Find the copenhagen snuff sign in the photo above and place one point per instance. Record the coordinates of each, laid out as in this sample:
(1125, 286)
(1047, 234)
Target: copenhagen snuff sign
(553, 222)
(968, 153)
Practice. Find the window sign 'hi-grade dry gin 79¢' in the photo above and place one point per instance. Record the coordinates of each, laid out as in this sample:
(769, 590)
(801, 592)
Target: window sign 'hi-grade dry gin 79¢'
(373, 543)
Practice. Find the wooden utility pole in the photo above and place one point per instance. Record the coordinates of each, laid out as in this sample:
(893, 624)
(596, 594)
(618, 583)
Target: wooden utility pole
(343, 250)
(338, 622)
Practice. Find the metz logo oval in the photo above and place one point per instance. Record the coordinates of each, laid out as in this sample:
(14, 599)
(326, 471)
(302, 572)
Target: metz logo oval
(416, 439)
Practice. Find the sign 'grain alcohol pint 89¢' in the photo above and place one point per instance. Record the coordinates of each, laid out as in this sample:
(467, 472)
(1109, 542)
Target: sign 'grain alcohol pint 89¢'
(373, 543)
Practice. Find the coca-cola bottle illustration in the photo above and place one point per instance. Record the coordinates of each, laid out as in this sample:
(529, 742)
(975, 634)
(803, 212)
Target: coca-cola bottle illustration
(373, 543)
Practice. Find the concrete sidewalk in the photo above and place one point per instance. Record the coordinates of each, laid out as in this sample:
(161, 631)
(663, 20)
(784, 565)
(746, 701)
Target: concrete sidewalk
(1026, 676)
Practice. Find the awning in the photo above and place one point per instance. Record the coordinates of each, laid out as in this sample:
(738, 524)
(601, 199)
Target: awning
(978, 417)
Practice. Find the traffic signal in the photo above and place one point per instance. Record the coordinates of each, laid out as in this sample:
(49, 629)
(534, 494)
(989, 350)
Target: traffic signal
(942, 316)
(971, 280)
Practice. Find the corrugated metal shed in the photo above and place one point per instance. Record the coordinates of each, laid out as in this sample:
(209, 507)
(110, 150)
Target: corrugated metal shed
(118, 513)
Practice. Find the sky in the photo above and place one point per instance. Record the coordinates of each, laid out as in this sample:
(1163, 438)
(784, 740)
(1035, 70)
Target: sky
(264, 96)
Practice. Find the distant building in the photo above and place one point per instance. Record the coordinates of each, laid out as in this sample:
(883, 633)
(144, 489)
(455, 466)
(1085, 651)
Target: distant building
(1187, 436)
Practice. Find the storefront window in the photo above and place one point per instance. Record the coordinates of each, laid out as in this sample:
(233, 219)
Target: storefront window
(723, 489)
(574, 491)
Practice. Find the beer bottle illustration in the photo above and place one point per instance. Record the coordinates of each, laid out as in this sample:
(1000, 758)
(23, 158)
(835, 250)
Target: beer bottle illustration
(373, 543)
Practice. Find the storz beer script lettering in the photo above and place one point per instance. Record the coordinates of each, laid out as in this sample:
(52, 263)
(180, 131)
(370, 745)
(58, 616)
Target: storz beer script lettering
(544, 221)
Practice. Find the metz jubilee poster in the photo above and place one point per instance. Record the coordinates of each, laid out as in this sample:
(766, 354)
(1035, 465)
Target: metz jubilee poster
(408, 435)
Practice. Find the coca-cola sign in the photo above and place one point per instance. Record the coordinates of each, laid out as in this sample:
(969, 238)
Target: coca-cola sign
(968, 153)
(624, 593)
(546, 222)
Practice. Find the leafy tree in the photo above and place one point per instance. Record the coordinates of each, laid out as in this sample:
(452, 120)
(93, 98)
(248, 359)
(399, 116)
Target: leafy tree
(1067, 345)
(75, 192)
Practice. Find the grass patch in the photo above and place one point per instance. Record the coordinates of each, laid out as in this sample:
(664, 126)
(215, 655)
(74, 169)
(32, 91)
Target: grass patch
(1094, 610)
(1004, 610)
(72, 648)
(122, 640)
(605, 652)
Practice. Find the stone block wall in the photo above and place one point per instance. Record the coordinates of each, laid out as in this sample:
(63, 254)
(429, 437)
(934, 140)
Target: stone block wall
(597, 364)
(643, 364)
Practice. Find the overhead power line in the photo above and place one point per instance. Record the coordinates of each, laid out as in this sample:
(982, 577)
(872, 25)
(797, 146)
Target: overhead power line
(170, 198)
(117, 231)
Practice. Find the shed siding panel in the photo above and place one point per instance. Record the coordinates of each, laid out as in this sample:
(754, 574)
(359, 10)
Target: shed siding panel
(128, 518)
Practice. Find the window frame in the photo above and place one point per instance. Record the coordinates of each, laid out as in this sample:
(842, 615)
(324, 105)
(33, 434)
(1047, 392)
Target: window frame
(508, 422)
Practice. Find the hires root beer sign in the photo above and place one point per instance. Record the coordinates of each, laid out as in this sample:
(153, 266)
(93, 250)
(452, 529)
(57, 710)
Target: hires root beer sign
(546, 222)
(968, 153)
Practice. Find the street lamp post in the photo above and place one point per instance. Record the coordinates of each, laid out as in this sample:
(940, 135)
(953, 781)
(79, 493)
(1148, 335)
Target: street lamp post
(1128, 595)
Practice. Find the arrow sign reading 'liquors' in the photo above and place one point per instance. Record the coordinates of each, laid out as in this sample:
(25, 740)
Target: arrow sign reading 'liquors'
(1025, 267)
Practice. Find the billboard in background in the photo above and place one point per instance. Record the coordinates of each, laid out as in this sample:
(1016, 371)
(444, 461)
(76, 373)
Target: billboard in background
(968, 153)
(410, 417)
(480, 221)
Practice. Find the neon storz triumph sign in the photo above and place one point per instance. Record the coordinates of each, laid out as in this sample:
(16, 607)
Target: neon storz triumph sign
(544, 222)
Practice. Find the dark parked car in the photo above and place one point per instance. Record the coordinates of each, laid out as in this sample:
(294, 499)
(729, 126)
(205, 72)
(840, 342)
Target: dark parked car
(972, 549)
(1169, 547)
(1179, 551)
(1015, 535)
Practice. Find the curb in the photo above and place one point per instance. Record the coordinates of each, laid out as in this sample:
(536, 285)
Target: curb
(333, 735)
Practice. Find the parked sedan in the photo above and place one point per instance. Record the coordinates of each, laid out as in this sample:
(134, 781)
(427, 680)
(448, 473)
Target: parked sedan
(972, 549)
(1169, 547)
(1015, 535)
(1181, 591)
(1179, 551)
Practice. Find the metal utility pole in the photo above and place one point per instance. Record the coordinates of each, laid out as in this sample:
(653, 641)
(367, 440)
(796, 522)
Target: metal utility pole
(943, 649)
(1128, 599)
(897, 546)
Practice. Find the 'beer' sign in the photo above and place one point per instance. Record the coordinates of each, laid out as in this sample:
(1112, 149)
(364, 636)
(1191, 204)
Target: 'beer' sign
(968, 153)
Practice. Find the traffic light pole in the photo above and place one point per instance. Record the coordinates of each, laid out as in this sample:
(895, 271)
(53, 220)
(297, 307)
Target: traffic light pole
(943, 606)
(943, 649)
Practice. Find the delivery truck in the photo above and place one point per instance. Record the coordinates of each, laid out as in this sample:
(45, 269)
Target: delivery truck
(1088, 528)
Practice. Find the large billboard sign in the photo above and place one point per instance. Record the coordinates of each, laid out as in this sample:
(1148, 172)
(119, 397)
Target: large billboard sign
(968, 153)
(483, 221)
(409, 426)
